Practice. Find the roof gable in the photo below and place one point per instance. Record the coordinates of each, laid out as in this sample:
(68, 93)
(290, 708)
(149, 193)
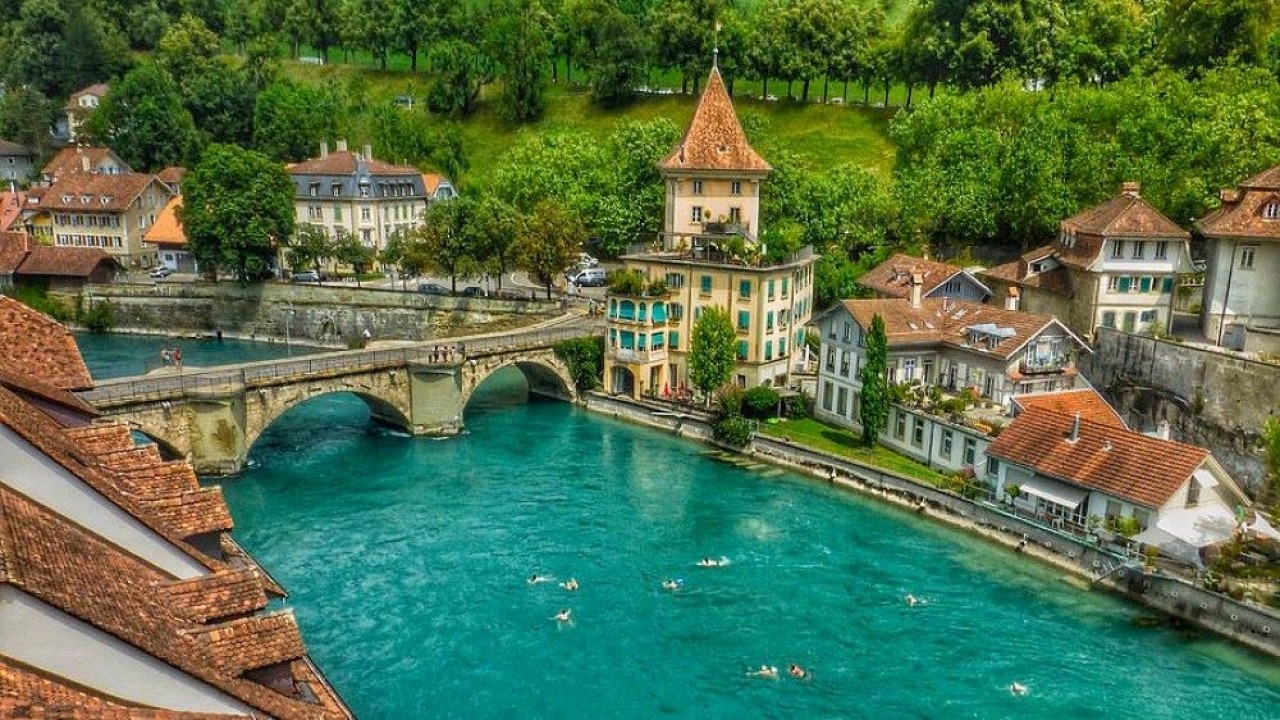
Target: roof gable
(714, 139)
(39, 347)
(1086, 401)
(1104, 457)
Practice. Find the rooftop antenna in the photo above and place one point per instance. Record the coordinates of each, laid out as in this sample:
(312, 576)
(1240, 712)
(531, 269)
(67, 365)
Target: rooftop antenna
(715, 48)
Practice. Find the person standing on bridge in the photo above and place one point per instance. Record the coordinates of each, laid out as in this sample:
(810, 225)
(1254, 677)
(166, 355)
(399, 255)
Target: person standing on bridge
(367, 337)
(177, 358)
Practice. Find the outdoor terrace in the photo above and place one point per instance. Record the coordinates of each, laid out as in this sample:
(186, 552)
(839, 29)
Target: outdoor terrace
(728, 249)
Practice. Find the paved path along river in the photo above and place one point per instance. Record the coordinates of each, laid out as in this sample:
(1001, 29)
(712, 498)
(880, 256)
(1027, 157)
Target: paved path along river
(408, 562)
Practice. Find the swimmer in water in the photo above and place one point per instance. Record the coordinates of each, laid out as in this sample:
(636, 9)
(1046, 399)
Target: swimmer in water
(797, 672)
(912, 600)
(673, 585)
(535, 578)
(571, 585)
(767, 672)
(563, 616)
(1018, 689)
(712, 562)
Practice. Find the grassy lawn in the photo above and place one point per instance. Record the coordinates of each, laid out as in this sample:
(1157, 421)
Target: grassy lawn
(823, 136)
(839, 441)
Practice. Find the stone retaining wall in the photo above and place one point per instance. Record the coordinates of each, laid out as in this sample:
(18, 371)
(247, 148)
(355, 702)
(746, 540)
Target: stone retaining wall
(1250, 625)
(322, 314)
(1210, 399)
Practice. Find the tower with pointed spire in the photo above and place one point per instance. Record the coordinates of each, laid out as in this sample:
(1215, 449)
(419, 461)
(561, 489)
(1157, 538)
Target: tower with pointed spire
(709, 253)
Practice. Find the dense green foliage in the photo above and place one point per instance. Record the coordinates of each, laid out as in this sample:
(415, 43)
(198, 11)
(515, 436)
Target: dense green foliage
(547, 242)
(584, 358)
(99, 318)
(760, 402)
(732, 430)
(713, 350)
(238, 206)
(873, 411)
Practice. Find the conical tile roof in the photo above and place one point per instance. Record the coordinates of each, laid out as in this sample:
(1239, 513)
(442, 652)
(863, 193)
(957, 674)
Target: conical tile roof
(714, 139)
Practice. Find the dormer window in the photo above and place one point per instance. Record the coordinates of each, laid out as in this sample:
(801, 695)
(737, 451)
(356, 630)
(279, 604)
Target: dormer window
(1271, 210)
(1117, 249)
(335, 189)
(315, 189)
(1138, 249)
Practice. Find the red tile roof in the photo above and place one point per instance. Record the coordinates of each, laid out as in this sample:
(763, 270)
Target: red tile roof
(98, 90)
(29, 693)
(167, 229)
(714, 139)
(344, 162)
(431, 181)
(88, 192)
(1119, 462)
(71, 161)
(39, 347)
(944, 320)
(11, 204)
(1127, 215)
(73, 262)
(1241, 213)
(45, 395)
(13, 250)
(172, 175)
(223, 594)
(1087, 402)
(73, 570)
(892, 278)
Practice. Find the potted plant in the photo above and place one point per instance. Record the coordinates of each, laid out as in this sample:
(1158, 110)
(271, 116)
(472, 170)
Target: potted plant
(1013, 491)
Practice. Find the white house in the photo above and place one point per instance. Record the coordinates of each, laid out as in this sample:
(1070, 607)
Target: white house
(892, 279)
(1073, 472)
(1113, 265)
(1241, 296)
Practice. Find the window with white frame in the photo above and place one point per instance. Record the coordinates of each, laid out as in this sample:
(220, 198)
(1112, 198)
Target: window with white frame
(695, 214)
(970, 451)
(917, 432)
(844, 363)
(900, 425)
(1272, 210)
(1139, 249)
(908, 369)
(735, 187)
(948, 437)
(1162, 250)
(1248, 255)
(697, 187)
(1117, 249)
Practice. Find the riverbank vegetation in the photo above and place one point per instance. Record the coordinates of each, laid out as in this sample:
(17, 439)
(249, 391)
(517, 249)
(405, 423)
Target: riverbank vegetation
(842, 442)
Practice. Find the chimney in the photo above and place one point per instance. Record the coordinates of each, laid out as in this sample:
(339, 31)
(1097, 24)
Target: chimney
(1162, 430)
(85, 163)
(324, 148)
(368, 152)
(917, 288)
(1075, 429)
(342, 146)
(1132, 189)
(1011, 299)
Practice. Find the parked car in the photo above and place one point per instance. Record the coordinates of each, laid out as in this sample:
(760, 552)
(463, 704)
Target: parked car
(587, 277)
(433, 289)
(160, 272)
(474, 291)
(307, 276)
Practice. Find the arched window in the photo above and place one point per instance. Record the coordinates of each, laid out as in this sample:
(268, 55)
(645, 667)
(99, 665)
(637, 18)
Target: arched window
(627, 310)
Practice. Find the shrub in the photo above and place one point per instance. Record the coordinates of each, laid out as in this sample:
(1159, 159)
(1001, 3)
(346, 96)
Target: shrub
(1128, 526)
(626, 282)
(658, 287)
(99, 318)
(797, 407)
(732, 430)
(760, 402)
(729, 400)
(38, 299)
(585, 359)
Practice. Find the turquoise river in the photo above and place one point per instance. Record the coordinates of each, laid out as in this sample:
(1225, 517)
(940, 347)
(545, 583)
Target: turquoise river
(407, 562)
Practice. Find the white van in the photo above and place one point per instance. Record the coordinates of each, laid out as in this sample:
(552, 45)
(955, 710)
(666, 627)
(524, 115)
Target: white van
(586, 277)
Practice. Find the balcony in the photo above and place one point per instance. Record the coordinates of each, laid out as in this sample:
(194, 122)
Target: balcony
(730, 250)
(1044, 366)
(638, 356)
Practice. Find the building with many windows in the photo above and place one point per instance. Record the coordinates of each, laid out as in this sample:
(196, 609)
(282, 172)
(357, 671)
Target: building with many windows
(352, 192)
(709, 254)
(1114, 265)
(893, 278)
(107, 211)
(1241, 306)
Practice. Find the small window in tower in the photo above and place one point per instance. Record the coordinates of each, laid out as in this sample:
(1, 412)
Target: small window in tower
(697, 187)
(696, 214)
(735, 187)
(1272, 210)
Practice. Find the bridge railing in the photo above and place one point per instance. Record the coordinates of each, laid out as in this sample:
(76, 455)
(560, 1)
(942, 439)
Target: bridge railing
(267, 372)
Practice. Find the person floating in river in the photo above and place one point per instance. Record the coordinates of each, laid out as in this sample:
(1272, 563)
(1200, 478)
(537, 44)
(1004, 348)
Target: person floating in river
(571, 585)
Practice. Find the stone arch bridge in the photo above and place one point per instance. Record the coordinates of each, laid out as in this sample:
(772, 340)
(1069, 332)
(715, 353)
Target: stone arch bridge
(214, 415)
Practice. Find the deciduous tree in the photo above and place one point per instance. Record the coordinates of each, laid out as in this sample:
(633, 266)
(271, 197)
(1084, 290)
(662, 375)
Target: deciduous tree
(144, 119)
(548, 242)
(237, 209)
(713, 350)
(444, 240)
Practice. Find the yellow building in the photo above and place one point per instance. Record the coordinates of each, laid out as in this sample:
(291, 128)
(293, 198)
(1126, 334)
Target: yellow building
(708, 254)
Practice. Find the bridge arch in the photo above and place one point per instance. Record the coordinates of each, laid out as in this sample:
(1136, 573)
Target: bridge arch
(546, 374)
(388, 408)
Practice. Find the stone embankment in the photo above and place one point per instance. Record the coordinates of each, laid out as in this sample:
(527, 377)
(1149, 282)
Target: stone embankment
(1211, 399)
(1250, 625)
(319, 314)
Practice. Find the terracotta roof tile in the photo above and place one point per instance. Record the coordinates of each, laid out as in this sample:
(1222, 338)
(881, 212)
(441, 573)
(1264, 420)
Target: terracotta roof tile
(943, 320)
(344, 162)
(11, 204)
(220, 595)
(13, 250)
(172, 175)
(1087, 402)
(167, 228)
(47, 397)
(431, 181)
(1017, 272)
(91, 192)
(1106, 458)
(39, 347)
(104, 437)
(714, 139)
(245, 644)
(70, 161)
(1241, 213)
(1126, 215)
(892, 278)
(29, 693)
(79, 262)
(192, 513)
(73, 570)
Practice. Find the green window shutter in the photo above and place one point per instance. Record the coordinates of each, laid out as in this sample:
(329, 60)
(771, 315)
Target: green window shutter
(744, 289)
(1167, 285)
(1144, 284)
(1124, 283)
(768, 350)
(673, 340)
(744, 319)
(742, 349)
(768, 322)
(785, 283)
(782, 347)
(706, 283)
(771, 288)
